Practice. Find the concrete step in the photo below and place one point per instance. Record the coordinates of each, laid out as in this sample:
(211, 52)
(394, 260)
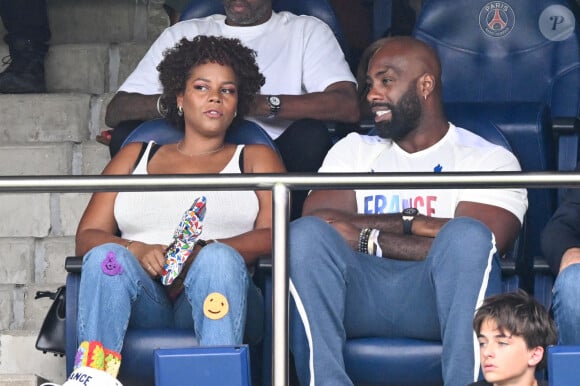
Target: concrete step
(70, 117)
(19, 356)
(37, 159)
(77, 21)
(21, 380)
(41, 214)
(44, 117)
(21, 310)
(95, 45)
(92, 68)
(104, 21)
(54, 158)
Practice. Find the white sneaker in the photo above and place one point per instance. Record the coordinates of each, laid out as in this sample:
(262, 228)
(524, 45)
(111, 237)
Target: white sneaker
(87, 376)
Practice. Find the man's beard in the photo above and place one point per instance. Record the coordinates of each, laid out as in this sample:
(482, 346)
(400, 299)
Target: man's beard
(404, 117)
(250, 17)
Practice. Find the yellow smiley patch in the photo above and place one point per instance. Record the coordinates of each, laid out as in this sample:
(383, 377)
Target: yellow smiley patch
(215, 306)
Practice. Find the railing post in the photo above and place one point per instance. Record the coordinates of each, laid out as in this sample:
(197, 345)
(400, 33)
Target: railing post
(281, 206)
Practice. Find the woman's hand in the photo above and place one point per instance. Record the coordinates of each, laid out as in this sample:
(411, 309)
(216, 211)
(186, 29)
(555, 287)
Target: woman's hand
(150, 256)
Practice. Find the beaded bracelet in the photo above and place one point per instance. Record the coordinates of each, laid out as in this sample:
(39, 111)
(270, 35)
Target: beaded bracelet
(363, 240)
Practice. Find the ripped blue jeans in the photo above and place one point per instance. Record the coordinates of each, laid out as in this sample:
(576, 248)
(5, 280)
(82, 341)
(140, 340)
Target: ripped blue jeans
(116, 293)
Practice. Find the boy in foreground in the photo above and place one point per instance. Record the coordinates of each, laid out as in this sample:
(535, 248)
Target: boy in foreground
(513, 331)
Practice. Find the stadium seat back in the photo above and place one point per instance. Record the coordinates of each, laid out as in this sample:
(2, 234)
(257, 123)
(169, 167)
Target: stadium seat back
(496, 51)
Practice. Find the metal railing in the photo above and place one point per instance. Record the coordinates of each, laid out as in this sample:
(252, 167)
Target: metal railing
(281, 184)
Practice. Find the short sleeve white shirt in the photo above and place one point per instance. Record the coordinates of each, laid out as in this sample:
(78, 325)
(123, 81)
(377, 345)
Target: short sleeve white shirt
(458, 151)
(296, 54)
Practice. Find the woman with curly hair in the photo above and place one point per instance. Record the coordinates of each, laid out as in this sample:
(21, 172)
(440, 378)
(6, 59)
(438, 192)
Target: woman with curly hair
(208, 83)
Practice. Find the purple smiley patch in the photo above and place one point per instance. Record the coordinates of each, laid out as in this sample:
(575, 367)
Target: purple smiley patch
(111, 266)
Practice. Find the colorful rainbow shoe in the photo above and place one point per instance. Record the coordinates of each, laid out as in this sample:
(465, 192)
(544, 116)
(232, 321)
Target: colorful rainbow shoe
(93, 354)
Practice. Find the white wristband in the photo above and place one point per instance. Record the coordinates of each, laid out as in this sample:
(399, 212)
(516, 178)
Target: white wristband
(375, 239)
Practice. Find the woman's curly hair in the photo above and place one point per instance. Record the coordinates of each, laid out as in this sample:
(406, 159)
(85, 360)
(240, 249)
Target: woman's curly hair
(176, 66)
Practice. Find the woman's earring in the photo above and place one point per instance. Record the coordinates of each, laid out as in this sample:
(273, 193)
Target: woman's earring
(235, 113)
(425, 96)
(180, 111)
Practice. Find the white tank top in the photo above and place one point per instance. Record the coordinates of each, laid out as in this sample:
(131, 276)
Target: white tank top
(151, 217)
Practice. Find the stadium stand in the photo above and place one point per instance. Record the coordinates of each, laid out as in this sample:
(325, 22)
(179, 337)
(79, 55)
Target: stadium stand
(94, 46)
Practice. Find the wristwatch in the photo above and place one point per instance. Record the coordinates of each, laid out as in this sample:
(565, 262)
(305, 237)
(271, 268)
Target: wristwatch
(161, 106)
(275, 104)
(408, 215)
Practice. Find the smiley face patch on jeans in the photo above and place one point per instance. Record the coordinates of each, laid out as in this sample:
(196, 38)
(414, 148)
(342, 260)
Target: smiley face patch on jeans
(215, 306)
(110, 266)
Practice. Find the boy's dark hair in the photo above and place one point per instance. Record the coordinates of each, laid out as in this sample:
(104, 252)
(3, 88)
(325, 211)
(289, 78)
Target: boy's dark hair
(517, 313)
(175, 68)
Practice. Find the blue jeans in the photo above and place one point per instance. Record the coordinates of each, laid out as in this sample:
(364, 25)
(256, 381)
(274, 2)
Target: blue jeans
(566, 305)
(112, 299)
(339, 293)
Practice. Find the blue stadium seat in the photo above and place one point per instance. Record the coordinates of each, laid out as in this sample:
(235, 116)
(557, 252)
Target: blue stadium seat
(206, 365)
(563, 366)
(516, 51)
(485, 61)
(318, 8)
(242, 132)
(523, 129)
(513, 52)
(532, 143)
(137, 364)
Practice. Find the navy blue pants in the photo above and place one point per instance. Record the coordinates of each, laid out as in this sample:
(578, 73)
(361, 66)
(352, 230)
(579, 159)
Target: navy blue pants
(25, 20)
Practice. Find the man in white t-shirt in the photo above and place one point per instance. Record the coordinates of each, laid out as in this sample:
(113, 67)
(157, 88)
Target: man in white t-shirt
(396, 262)
(308, 80)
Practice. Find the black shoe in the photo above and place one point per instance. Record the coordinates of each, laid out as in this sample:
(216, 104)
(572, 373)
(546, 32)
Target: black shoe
(25, 72)
(13, 81)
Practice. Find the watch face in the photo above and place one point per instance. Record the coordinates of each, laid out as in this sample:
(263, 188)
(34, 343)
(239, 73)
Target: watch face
(410, 212)
(274, 100)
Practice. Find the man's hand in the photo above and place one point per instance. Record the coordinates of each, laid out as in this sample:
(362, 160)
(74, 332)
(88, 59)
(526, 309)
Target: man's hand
(571, 256)
(131, 107)
(338, 102)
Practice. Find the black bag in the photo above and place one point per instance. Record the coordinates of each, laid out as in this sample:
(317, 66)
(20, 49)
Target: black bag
(51, 337)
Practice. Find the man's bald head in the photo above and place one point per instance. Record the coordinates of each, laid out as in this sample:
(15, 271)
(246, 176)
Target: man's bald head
(421, 56)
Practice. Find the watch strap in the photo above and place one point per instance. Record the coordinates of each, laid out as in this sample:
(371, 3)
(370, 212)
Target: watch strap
(407, 225)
